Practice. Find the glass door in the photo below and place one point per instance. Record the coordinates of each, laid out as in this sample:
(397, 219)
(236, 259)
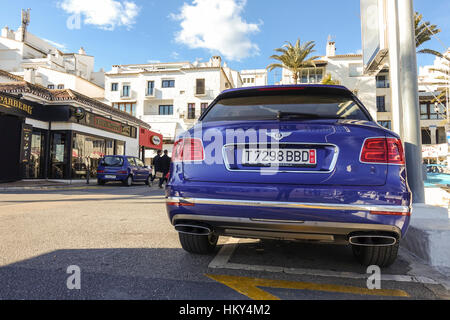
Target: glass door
(37, 158)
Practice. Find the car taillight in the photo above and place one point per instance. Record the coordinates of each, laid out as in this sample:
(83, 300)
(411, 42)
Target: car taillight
(122, 172)
(189, 149)
(100, 171)
(383, 150)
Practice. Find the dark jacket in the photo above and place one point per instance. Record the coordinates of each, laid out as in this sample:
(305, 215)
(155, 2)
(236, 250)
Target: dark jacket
(157, 163)
(165, 163)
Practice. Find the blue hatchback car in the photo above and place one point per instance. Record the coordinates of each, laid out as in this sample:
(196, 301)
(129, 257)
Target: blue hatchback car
(123, 168)
(302, 162)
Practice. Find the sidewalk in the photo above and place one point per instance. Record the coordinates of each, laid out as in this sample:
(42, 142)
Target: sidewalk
(42, 184)
(428, 236)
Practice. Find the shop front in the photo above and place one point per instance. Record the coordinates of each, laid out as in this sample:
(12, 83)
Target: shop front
(89, 147)
(41, 141)
(24, 147)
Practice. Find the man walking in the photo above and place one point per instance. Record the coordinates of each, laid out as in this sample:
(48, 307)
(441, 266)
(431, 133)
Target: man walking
(165, 167)
(156, 164)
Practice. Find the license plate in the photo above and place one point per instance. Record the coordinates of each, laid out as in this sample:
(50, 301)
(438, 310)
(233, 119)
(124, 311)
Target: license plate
(279, 157)
(110, 177)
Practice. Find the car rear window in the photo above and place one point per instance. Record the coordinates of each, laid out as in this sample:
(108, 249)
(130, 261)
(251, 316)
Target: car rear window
(287, 107)
(113, 161)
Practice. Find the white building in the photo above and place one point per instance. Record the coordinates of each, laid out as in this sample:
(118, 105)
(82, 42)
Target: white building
(257, 77)
(347, 69)
(38, 61)
(375, 90)
(168, 96)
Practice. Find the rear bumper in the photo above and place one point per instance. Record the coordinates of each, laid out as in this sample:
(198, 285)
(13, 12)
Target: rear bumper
(332, 232)
(118, 177)
(271, 228)
(290, 212)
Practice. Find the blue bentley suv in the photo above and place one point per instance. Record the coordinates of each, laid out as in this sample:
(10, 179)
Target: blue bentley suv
(301, 162)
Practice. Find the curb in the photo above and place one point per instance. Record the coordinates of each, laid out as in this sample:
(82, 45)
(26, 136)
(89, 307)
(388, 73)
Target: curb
(46, 187)
(428, 236)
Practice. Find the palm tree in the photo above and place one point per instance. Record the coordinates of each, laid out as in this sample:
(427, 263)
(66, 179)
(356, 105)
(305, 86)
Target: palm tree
(424, 31)
(294, 58)
(444, 75)
(328, 80)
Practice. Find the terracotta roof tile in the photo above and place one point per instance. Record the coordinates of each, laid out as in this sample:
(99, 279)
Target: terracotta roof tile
(66, 95)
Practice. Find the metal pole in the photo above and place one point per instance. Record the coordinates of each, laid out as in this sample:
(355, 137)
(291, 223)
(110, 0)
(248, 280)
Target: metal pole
(394, 67)
(410, 97)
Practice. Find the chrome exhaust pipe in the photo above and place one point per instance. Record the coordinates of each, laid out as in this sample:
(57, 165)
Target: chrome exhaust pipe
(193, 229)
(372, 240)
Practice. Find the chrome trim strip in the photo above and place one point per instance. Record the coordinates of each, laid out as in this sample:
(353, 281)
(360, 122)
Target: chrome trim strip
(267, 169)
(297, 205)
(288, 227)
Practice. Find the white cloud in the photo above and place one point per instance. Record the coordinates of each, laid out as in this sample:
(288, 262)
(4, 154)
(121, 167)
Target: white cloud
(104, 14)
(217, 25)
(59, 46)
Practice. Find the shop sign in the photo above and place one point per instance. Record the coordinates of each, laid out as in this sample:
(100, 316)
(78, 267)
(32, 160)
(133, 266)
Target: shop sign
(16, 105)
(150, 139)
(24, 108)
(89, 119)
(434, 151)
(156, 140)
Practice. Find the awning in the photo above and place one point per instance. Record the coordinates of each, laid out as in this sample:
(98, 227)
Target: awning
(150, 139)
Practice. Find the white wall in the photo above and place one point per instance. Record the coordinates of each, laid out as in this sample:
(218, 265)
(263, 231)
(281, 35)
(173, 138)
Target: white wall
(363, 86)
(180, 96)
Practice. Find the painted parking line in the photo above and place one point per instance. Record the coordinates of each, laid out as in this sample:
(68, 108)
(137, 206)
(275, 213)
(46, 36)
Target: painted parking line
(221, 261)
(251, 287)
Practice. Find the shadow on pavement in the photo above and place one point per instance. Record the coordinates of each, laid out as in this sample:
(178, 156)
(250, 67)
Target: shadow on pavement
(156, 274)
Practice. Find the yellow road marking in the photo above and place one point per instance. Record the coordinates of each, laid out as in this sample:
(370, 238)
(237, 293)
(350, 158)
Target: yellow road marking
(250, 287)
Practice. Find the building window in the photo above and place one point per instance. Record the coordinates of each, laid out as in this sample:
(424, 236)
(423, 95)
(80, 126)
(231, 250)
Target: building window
(51, 86)
(430, 111)
(426, 136)
(150, 88)
(126, 90)
(382, 82)
(114, 87)
(168, 83)
(166, 110)
(129, 108)
(200, 86)
(381, 104)
(387, 124)
(203, 107)
(60, 86)
(191, 110)
(311, 75)
(355, 70)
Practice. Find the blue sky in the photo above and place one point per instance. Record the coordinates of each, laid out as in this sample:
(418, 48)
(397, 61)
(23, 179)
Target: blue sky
(139, 31)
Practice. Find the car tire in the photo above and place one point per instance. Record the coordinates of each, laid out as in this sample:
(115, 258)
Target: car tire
(198, 244)
(380, 256)
(149, 181)
(128, 181)
(101, 182)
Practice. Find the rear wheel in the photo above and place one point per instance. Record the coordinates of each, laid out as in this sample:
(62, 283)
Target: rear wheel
(380, 256)
(128, 181)
(101, 182)
(198, 244)
(149, 181)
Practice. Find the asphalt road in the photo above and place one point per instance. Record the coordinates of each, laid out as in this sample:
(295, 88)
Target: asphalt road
(125, 248)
